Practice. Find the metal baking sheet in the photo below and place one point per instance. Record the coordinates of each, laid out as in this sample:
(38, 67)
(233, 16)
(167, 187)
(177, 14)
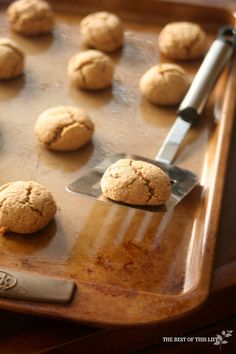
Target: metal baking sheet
(130, 267)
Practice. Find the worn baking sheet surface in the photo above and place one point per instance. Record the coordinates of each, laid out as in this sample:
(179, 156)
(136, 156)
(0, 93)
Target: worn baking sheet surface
(130, 267)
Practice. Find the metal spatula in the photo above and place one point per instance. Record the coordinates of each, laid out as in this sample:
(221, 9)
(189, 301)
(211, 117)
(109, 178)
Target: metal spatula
(183, 181)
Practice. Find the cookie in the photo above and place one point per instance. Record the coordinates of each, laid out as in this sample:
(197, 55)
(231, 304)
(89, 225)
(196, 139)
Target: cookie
(64, 128)
(136, 182)
(11, 59)
(164, 84)
(30, 17)
(91, 70)
(182, 41)
(103, 31)
(25, 207)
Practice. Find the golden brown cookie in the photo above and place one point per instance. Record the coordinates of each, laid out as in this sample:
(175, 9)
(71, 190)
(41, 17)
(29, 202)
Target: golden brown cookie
(182, 41)
(103, 31)
(136, 182)
(25, 207)
(64, 128)
(11, 59)
(164, 84)
(91, 70)
(30, 17)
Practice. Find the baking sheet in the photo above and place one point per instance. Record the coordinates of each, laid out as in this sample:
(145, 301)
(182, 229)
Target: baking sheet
(130, 267)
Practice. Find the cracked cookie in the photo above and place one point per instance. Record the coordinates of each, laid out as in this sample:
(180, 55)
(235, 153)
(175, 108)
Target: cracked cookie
(182, 41)
(91, 70)
(103, 31)
(30, 17)
(136, 182)
(25, 207)
(164, 84)
(64, 128)
(11, 59)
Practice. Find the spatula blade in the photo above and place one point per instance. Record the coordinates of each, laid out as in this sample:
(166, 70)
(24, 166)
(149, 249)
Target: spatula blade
(183, 181)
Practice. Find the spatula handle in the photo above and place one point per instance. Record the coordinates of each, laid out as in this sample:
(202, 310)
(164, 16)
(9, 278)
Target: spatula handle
(218, 55)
